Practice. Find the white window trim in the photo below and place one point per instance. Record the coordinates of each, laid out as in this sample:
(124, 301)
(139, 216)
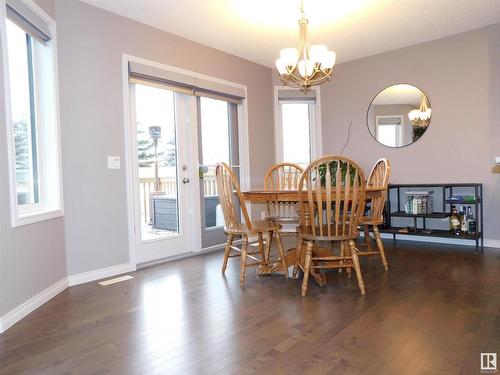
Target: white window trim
(29, 214)
(400, 133)
(314, 123)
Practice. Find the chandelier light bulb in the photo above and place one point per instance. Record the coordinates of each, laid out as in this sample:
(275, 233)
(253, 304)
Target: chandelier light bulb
(317, 53)
(306, 68)
(281, 66)
(289, 56)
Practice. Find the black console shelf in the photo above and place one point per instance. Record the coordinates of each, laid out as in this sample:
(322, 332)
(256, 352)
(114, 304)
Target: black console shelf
(395, 209)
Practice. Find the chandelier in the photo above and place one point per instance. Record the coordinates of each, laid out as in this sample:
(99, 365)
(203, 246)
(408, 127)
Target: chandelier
(306, 65)
(421, 117)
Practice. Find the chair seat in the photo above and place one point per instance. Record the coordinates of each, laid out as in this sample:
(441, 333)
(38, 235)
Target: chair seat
(307, 234)
(258, 226)
(368, 220)
(282, 219)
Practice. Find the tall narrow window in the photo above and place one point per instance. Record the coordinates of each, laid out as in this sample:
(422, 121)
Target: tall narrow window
(33, 128)
(20, 50)
(297, 138)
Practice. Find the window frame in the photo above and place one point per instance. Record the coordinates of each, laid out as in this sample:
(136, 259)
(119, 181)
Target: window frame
(315, 142)
(399, 128)
(46, 109)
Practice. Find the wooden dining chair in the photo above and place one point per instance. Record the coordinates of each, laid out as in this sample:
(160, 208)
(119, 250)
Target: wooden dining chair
(331, 207)
(379, 176)
(282, 177)
(229, 194)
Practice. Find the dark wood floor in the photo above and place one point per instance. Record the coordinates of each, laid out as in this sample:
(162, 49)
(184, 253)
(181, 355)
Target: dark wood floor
(434, 312)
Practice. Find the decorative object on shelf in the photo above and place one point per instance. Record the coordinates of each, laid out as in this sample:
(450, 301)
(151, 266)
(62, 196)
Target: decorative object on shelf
(395, 116)
(461, 204)
(418, 202)
(422, 116)
(306, 65)
(495, 169)
(463, 198)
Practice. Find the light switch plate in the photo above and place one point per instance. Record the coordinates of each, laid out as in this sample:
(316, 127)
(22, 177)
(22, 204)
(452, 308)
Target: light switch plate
(113, 162)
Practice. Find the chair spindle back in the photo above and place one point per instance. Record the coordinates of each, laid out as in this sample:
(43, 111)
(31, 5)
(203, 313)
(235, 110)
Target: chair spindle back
(282, 176)
(334, 197)
(228, 190)
(379, 176)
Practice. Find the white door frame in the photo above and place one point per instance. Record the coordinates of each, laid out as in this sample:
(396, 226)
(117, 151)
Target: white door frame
(129, 140)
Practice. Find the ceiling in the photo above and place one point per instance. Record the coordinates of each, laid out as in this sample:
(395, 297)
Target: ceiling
(258, 29)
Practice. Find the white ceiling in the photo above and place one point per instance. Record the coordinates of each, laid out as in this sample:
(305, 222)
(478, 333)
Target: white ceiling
(399, 94)
(258, 29)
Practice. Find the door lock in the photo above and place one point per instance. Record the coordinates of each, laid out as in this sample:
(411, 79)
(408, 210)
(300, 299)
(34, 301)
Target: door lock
(185, 180)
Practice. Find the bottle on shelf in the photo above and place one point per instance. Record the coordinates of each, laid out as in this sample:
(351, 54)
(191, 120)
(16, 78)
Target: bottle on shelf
(454, 221)
(464, 227)
(471, 222)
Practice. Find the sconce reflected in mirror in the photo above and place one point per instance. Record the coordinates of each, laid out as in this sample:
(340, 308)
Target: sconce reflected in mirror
(399, 115)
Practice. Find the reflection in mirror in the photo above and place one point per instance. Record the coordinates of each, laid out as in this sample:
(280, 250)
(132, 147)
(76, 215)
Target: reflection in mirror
(399, 115)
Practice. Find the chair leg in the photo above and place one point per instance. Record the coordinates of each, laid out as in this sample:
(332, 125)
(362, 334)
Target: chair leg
(367, 238)
(298, 256)
(282, 254)
(343, 252)
(269, 242)
(307, 268)
(244, 249)
(267, 246)
(380, 246)
(227, 251)
(357, 267)
(261, 248)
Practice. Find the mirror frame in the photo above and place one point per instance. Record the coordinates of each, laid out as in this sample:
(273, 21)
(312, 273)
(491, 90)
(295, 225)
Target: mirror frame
(368, 110)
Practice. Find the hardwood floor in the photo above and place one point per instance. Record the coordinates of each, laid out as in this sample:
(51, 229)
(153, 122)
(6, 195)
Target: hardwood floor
(434, 312)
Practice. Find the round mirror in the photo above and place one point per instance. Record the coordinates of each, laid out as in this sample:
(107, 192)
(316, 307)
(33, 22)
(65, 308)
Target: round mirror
(399, 115)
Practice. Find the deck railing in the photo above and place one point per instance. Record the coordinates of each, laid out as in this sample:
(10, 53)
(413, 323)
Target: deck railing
(168, 186)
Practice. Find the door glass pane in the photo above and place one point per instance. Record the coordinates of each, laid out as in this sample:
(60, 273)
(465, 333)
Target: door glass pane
(296, 140)
(215, 147)
(19, 46)
(157, 161)
(218, 142)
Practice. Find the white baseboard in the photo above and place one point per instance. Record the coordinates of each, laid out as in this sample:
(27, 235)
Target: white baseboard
(449, 241)
(205, 250)
(85, 277)
(491, 243)
(16, 314)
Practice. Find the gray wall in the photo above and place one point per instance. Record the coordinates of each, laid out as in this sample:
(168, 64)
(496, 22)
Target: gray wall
(461, 77)
(91, 42)
(32, 257)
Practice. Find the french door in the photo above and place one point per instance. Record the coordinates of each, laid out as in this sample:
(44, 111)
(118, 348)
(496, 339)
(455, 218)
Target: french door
(218, 142)
(177, 140)
(162, 170)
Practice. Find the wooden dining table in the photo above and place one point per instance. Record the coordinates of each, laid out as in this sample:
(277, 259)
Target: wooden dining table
(293, 196)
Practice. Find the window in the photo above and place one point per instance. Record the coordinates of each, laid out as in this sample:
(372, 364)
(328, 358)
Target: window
(389, 130)
(32, 126)
(297, 126)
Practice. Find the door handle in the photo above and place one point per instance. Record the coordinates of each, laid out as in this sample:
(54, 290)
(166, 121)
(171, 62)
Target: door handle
(185, 180)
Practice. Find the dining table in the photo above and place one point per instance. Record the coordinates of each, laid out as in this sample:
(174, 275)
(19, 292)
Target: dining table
(293, 196)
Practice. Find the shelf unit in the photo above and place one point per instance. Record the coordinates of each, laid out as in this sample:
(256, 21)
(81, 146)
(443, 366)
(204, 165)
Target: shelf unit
(394, 209)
